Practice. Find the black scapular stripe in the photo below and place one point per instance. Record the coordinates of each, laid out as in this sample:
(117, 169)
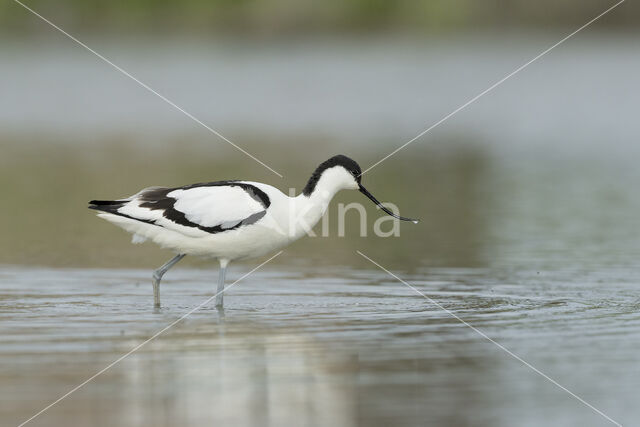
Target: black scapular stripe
(157, 199)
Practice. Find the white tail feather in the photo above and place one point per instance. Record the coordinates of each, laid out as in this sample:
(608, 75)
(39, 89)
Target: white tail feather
(138, 239)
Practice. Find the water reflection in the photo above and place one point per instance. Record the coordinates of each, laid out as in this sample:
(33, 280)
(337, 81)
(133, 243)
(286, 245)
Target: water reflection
(530, 232)
(300, 346)
(234, 375)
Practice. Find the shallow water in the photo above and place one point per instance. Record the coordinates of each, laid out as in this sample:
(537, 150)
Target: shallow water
(530, 232)
(303, 346)
(538, 253)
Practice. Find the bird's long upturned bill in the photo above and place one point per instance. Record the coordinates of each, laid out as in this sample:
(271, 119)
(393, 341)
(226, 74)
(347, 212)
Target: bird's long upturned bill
(374, 200)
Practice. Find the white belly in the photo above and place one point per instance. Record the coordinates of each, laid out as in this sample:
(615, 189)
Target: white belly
(248, 241)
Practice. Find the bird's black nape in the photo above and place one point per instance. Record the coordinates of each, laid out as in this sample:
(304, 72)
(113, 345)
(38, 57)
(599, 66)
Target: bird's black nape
(339, 160)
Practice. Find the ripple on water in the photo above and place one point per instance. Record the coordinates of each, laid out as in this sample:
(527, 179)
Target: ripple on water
(357, 344)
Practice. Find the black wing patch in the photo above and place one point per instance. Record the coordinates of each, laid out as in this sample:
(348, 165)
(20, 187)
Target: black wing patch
(157, 199)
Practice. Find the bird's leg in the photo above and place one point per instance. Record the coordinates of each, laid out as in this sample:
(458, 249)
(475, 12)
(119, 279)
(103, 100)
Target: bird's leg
(221, 277)
(157, 276)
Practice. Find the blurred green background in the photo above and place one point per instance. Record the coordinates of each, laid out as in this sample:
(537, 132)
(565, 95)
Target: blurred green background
(528, 198)
(297, 82)
(280, 17)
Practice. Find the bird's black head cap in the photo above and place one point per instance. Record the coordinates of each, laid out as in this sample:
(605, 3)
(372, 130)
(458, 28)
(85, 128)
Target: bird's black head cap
(339, 160)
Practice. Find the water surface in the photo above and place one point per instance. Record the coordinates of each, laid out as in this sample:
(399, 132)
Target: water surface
(530, 232)
(302, 346)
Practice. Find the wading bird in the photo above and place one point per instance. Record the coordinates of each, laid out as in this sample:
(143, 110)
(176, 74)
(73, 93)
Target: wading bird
(230, 220)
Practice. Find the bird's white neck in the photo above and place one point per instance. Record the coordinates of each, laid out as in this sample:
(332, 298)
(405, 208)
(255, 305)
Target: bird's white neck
(309, 208)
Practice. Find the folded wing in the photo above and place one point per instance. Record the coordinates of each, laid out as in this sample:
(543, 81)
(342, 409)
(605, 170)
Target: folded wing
(195, 210)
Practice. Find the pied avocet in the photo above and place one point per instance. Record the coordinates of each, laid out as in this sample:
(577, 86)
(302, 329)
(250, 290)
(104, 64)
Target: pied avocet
(230, 220)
